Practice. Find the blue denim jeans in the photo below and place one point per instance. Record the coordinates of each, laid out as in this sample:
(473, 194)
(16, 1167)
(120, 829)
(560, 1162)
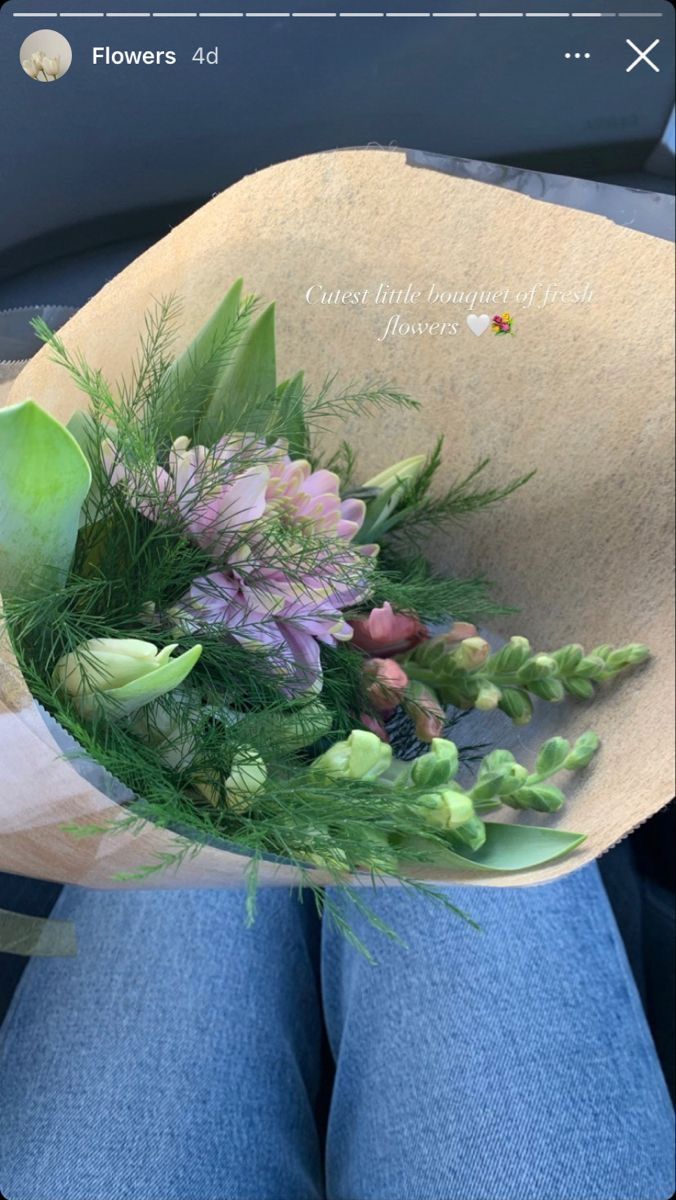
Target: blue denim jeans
(178, 1057)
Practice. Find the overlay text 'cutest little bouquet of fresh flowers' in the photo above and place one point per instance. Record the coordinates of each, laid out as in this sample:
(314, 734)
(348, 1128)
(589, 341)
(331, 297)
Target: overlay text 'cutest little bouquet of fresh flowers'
(249, 638)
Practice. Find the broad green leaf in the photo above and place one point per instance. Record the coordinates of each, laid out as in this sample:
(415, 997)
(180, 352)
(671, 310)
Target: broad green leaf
(190, 381)
(128, 699)
(83, 429)
(245, 387)
(507, 848)
(289, 419)
(44, 480)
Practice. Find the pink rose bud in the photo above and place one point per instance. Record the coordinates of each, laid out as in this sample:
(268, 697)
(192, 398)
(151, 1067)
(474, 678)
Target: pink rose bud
(422, 706)
(374, 726)
(385, 633)
(386, 684)
(459, 631)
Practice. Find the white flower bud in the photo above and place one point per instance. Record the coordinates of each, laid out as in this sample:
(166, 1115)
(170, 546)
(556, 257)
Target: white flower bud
(51, 66)
(120, 675)
(248, 774)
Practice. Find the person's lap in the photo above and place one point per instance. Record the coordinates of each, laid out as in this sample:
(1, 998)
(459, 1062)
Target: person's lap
(178, 1056)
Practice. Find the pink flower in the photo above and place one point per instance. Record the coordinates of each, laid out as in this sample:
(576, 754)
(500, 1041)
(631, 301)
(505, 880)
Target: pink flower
(386, 684)
(279, 535)
(374, 726)
(424, 709)
(269, 611)
(310, 498)
(458, 632)
(220, 491)
(205, 487)
(385, 633)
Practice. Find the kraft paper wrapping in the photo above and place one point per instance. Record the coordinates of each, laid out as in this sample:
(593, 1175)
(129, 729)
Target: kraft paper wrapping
(582, 392)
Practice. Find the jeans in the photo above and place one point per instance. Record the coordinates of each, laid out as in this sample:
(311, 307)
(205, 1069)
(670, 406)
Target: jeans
(179, 1055)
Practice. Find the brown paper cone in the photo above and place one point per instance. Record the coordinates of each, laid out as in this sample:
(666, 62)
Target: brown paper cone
(582, 392)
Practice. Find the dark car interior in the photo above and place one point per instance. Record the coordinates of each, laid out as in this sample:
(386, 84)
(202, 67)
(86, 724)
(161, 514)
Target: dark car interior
(101, 217)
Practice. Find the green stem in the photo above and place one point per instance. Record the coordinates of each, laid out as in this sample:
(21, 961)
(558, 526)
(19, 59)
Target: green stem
(421, 674)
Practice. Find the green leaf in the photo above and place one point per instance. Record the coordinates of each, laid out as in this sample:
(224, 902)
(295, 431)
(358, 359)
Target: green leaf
(289, 420)
(552, 755)
(193, 376)
(245, 387)
(44, 480)
(83, 428)
(507, 848)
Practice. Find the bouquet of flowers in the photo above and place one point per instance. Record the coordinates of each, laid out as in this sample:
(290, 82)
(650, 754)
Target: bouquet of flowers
(248, 638)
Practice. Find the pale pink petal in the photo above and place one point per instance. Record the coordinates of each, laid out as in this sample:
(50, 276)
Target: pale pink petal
(320, 482)
(353, 510)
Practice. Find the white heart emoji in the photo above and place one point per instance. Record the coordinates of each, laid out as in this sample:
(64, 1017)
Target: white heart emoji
(478, 325)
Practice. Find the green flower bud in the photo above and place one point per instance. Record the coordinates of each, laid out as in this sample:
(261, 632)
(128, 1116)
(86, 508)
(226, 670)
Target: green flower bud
(581, 689)
(431, 653)
(548, 689)
(568, 657)
(361, 756)
(459, 808)
(583, 751)
(503, 780)
(472, 833)
(407, 470)
(438, 766)
(391, 487)
(540, 666)
(295, 730)
(590, 667)
(488, 785)
(247, 777)
(602, 651)
(514, 777)
(627, 656)
(495, 761)
(511, 657)
(540, 797)
(488, 697)
(470, 654)
(551, 756)
(446, 809)
(517, 705)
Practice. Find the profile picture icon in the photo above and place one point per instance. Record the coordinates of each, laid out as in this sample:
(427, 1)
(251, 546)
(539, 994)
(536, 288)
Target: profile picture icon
(45, 55)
